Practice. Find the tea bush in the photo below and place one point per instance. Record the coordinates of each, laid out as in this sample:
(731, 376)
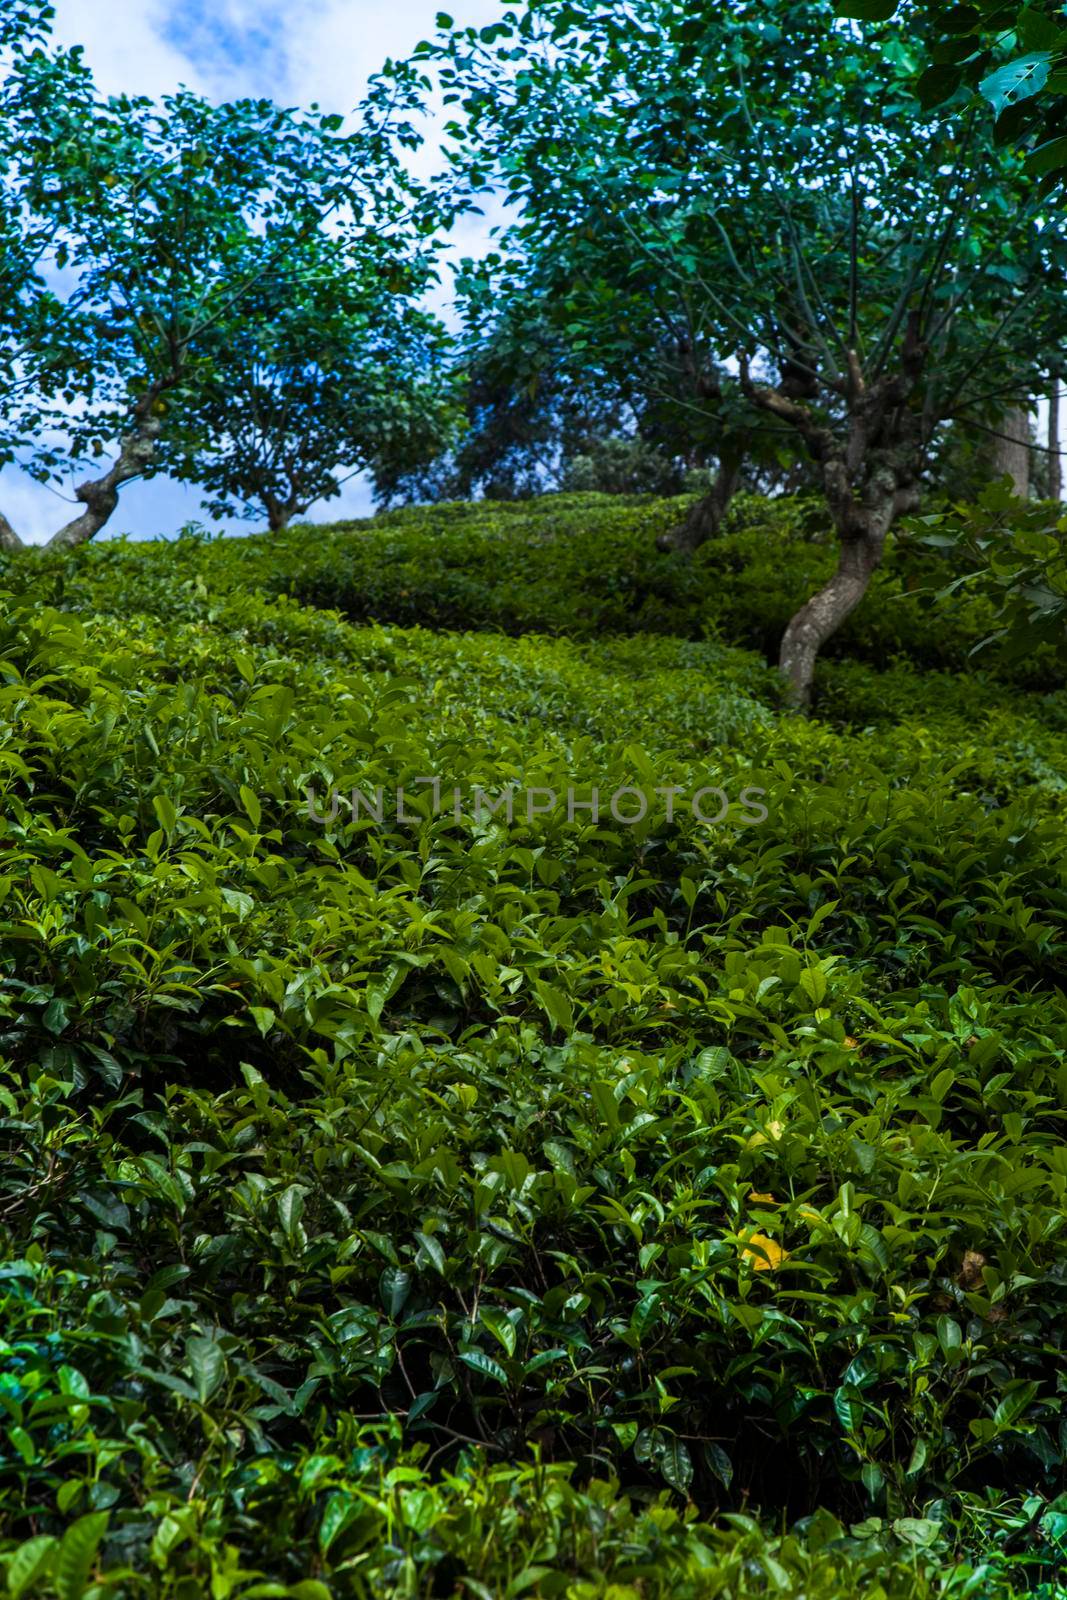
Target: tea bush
(585, 566)
(432, 1205)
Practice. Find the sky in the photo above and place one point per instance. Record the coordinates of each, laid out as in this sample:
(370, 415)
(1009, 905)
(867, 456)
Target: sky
(292, 51)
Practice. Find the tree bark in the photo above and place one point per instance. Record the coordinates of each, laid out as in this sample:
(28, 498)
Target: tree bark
(100, 496)
(1055, 469)
(704, 520)
(821, 616)
(870, 476)
(280, 512)
(1011, 450)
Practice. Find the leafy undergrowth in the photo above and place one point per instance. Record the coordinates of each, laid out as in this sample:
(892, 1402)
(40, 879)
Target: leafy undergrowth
(449, 1206)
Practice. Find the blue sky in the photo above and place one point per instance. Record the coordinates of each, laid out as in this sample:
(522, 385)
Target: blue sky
(294, 51)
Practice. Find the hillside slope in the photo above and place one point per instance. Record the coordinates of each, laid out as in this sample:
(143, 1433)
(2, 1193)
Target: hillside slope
(438, 1204)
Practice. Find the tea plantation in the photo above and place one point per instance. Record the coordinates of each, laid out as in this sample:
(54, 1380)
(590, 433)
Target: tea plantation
(572, 1206)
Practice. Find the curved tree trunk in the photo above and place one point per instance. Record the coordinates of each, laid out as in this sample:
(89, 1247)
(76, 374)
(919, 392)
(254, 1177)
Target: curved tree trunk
(870, 477)
(821, 616)
(862, 527)
(704, 520)
(100, 496)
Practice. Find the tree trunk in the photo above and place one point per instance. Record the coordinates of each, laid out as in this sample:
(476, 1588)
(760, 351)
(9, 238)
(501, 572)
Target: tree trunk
(704, 520)
(821, 616)
(862, 528)
(100, 496)
(280, 512)
(869, 478)
(1011, 450)
(1055, 470)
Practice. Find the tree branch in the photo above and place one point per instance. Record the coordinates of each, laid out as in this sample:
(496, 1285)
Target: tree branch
(819, 440)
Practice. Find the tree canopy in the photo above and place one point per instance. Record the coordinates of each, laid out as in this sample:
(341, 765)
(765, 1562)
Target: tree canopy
(765, 185)
(1012, 56)
(332, 369)
(139, 239)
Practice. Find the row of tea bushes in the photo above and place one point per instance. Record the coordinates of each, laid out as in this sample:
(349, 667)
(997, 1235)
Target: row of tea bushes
(442, 1206)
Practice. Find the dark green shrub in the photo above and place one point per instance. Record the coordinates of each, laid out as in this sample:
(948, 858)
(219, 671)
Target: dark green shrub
(724, 1163)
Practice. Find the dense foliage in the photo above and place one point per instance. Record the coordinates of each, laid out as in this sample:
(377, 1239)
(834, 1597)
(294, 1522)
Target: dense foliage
(1013, 556)
(493, 1102)
(1010, 55)
(440, 1206)
(587, 565)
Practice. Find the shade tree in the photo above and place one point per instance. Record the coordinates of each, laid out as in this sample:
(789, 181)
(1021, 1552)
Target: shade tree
(567, 382)
(529, 405)
(334, 368)
(138, 237)
(869, 269)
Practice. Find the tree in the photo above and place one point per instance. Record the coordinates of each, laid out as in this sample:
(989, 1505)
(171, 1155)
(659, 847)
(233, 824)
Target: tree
(652, 342)
(872, 269)
(331, 366)
(1011, 451)
(135, 236)
(623, 464)
(1055, 466)
(572, 379)
(529, 406)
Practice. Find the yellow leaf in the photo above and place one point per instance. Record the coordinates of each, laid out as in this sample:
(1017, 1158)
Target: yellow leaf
(765, 1255)
(768, 1199)
(775, 1129)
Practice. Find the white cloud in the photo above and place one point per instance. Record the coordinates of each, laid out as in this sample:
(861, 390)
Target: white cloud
(290, 50)
(125, 45)
(32, 510)
(335, 47)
